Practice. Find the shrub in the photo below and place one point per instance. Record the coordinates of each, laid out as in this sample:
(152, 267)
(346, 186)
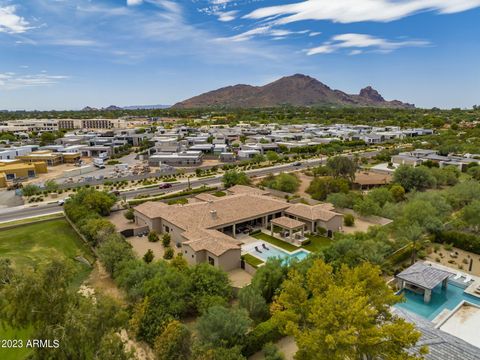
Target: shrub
(169, 252)
(153, 236)
(321, 230)
(262, 334)
(166, 239)
(148, 257)
(464, 241)
(348, 220)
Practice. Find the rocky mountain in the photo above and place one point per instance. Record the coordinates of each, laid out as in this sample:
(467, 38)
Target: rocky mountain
(296, 90)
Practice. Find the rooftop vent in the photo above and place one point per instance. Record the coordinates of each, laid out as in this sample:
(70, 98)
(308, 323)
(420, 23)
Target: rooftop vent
(213, 213)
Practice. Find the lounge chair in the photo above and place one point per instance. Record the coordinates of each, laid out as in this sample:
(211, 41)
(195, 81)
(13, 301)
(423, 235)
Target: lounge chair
(468, 278)
(256, 248)
(458, 276)
(265, 246)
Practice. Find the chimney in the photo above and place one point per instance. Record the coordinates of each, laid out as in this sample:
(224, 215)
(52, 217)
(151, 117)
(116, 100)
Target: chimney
(213, 213)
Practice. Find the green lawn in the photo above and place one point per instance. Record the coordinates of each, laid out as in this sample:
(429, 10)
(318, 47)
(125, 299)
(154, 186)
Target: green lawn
(317, 243)
(36, 243)
(33, 244)
(252, 260)
(277, 242)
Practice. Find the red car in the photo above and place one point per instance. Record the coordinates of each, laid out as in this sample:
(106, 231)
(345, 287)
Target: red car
(165, 186)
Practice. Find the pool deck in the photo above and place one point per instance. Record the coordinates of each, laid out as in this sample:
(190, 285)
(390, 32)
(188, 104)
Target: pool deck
(471, 288)
(464, 323)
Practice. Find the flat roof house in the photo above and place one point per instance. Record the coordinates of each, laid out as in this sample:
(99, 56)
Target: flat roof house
(206, 230)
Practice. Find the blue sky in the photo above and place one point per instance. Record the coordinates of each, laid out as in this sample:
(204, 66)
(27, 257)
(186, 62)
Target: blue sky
(66, 54)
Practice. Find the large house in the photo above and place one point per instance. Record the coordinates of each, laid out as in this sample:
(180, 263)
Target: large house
(207, 230)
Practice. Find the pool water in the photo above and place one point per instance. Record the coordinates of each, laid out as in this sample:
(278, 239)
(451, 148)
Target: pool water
(441, 299)
(274, 252)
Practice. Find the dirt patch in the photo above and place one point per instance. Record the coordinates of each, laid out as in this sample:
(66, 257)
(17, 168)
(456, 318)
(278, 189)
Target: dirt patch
(9, 199)
(304, 184)
(456, 259)
(286, 345)
(141, 350)
(102, 282)
(141, 245)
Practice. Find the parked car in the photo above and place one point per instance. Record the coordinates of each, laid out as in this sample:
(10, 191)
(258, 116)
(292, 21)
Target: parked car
(298, 163)
(61, 202)
(165, 186)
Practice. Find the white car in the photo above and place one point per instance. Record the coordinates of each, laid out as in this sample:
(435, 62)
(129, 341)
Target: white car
(61, 202)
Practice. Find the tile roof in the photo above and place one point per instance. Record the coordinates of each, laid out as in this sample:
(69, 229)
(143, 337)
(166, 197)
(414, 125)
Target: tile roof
(243, 189)
(424, 275)
(212, 214)
(321, 212)
(441, 345)
(212, 241)
(287, 223)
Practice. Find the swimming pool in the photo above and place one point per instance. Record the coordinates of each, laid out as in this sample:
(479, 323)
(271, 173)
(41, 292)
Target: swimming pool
(441, 299)
(274, 252)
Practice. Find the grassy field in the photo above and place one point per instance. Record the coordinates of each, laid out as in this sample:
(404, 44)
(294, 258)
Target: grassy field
(32, 244)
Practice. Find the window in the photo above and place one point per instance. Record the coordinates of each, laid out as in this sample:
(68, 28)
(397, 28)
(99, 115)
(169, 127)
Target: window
(211, 261)
(167, 229)
(185, 251)
(10, 176)
(31, 173)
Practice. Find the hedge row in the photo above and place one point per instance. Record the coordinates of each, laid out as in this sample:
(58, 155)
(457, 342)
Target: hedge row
(461, 240)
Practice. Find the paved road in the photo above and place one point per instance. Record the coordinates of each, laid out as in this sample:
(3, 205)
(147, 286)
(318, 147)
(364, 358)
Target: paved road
(26, 211)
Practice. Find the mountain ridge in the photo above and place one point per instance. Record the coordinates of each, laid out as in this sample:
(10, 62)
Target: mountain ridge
(295, 90)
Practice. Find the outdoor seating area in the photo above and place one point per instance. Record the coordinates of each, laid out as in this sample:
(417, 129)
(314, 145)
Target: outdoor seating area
(292, 231)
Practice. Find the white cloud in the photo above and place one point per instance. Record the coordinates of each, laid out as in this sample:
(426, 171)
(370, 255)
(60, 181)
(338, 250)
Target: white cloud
(12, 81)
(226, 16)
(357, 42)
(134, 2)
(74, 42)
(348, 11)
(10, 22)
(266, 30)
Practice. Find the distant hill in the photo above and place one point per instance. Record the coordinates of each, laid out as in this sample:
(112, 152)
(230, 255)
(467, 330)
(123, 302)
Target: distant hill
(296, 90)
(132, 107)
(146, 107)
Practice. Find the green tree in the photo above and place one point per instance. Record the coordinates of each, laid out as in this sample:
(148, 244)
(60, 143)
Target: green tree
(410, 178)
(97, 229)
(272, 156)
(233, 177)
(348, 220)
(222, 327)
(252, 300)
(112, 348)
(367, 207)
(398, 192)
(471, 214)
(271, 352)
(148, 257)
(129, 214)
(174, 342)
(268, 278)
(343, 316)
(209, 283)
(342, 166)
(113, 251)
(320, 187)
